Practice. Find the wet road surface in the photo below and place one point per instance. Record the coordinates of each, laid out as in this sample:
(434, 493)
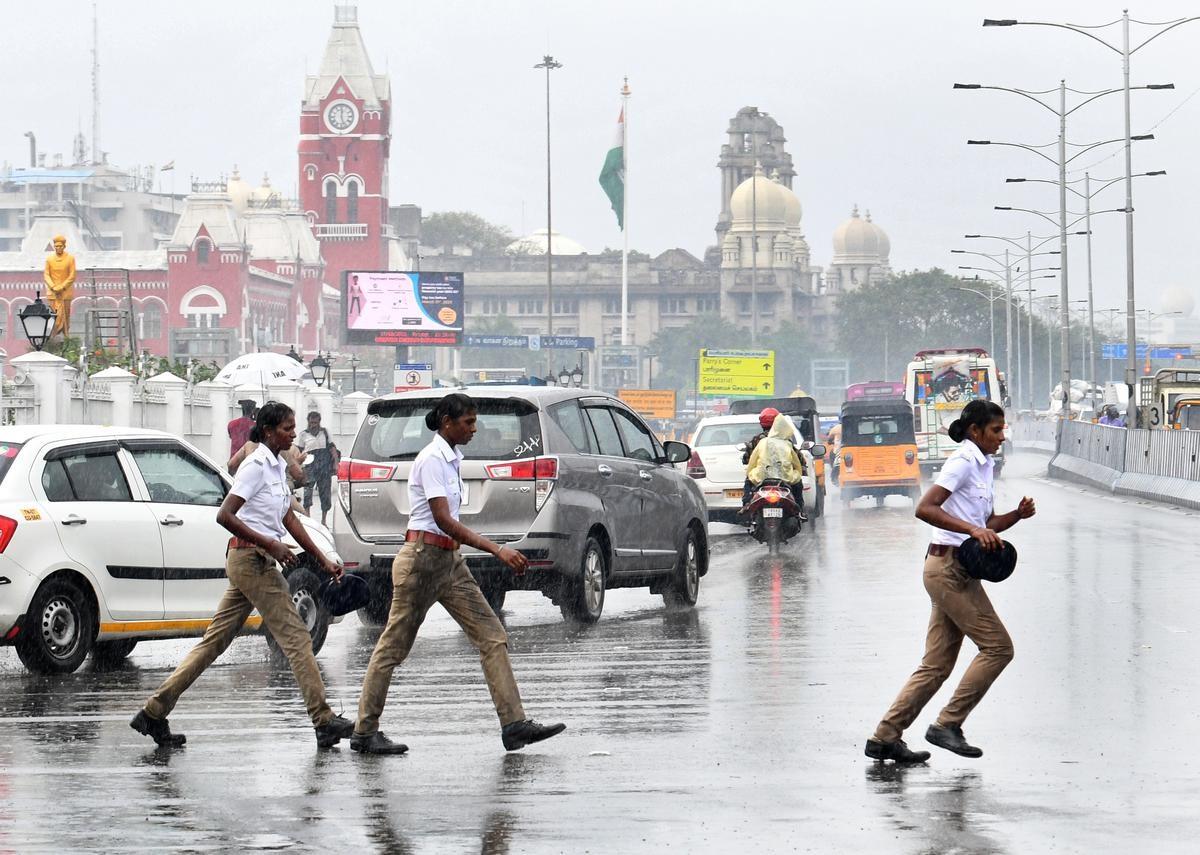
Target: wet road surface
(737, 727)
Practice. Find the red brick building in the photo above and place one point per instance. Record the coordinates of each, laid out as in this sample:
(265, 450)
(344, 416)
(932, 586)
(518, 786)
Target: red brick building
(243, 269)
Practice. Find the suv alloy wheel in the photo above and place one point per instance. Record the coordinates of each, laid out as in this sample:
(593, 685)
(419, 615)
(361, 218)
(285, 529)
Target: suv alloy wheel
(583, 598)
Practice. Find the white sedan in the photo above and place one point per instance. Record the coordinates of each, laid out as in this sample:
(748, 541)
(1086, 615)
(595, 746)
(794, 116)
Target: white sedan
(717, 466)
(109, 536)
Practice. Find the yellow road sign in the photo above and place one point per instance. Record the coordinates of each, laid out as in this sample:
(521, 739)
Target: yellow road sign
(651, 403)
(746, 373)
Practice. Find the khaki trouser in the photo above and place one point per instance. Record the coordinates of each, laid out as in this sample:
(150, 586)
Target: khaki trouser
(421, 576)
(960, 607)
(254, 583)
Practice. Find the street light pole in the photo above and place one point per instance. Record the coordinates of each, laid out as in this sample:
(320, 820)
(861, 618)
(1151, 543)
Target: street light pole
(1126, 53)
(549, 64)
(1087, 201)
(1065, 320)
(1008, 330)
(1130, 302)
(1029, 299)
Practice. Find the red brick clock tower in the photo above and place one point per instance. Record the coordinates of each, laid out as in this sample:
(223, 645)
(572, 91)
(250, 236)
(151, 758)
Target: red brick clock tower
(345, 134)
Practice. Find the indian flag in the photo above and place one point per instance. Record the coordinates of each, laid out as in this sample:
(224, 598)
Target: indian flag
(612, 175)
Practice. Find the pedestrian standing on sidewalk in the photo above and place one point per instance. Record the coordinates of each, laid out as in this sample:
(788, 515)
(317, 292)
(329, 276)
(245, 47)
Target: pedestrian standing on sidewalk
(959, 505)
(315, 441)
(429, 569)
(258, 512)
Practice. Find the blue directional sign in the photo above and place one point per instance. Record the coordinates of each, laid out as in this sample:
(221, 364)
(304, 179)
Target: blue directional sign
(532, 342)
(1121, 351)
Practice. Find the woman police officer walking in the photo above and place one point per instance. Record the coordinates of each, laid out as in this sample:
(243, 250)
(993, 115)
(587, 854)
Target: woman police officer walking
(959, 506)
(429, 569)
(257, 511)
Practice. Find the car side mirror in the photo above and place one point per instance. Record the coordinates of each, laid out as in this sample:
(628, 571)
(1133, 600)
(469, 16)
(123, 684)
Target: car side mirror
(676, 452)
(817, 451)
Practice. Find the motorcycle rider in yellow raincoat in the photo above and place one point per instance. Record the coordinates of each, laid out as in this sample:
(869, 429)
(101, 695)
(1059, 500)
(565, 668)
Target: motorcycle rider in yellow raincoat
(775, 458)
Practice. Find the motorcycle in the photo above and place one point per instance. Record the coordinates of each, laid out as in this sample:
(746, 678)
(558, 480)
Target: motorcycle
(774, 515)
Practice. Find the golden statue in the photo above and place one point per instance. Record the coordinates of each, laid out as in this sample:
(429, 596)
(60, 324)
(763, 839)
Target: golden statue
(59, 276)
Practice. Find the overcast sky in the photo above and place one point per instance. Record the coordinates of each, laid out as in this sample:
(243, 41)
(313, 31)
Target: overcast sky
(863, 91)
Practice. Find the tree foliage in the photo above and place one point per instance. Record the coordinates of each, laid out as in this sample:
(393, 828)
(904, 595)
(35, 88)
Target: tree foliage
(445, 229)
(881, 325)
(678, 348)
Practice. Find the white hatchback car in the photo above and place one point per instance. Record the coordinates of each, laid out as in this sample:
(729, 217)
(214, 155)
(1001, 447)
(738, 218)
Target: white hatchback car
(109, 536)
(717, 466)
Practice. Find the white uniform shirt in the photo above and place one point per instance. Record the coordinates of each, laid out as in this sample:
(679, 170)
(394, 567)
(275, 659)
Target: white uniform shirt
(261, 481)
(434, 475)
(967, 474)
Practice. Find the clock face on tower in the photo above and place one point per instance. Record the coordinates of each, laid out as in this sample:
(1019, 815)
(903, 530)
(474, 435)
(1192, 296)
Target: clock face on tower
(341, 116)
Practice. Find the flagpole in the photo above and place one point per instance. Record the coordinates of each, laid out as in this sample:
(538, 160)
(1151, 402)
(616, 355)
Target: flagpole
(625, 213)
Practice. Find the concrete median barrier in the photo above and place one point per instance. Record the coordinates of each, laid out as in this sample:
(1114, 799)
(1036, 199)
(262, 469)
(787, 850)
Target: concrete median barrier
(1158, 465)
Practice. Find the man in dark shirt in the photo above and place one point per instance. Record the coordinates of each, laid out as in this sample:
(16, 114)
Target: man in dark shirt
(239, 428)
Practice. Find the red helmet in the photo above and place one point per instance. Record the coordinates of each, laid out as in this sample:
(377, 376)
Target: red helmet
(767, 417)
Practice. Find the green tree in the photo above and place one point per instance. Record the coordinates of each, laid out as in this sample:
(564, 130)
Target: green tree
(880, 326)
(677, 348)
(794, 352)
(445, 229)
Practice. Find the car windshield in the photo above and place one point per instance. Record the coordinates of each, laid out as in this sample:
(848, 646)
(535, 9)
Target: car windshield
(8, 452)
(877, 430)
(729, 434)
(507, 429)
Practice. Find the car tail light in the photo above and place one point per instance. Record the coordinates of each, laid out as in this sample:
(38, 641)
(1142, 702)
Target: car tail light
(8, 527)
(354, 471)
(848, 460)
(909, 457)
(695, 466)
(543, 471)
(362, 470)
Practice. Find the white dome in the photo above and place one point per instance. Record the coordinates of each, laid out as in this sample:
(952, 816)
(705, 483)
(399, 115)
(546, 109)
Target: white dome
(535, 244)
(1178, 299)
(859, 241)
(885, 245)
(759, 200)
(238, 190)
(792, 211)
(264, 193)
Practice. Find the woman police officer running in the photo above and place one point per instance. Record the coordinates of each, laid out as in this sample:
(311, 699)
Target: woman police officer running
(428, 570)
(258, 512)
(958, 505)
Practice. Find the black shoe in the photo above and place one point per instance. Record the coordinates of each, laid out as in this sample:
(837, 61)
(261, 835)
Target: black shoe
(334, 731)
(376, 743)
(157, 729)
(951, 738)
(877, 749)
(522, 733)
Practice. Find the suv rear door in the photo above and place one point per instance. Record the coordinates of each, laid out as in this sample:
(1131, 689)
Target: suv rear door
(618, 484)
(658, 521)
(376, 476)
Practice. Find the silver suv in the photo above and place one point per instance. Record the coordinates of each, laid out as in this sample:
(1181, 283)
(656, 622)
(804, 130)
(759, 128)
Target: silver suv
(572, 478)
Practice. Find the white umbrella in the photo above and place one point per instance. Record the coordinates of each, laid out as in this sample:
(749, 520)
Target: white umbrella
(262, 369)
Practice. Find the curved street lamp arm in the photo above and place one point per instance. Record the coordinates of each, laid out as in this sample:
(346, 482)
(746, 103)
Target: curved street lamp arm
(1086, 149)
(1029, 148)
(1045, 217)
(1178, 23)
(1075, 28)
(1024, 94)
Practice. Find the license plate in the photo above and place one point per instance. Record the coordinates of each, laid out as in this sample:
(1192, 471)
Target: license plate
(772, 512)
(733, 494)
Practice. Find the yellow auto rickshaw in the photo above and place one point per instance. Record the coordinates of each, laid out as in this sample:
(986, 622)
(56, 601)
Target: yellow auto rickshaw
(879, 450)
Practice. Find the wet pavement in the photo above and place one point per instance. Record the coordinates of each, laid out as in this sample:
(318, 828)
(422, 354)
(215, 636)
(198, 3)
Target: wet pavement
(737, 727)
